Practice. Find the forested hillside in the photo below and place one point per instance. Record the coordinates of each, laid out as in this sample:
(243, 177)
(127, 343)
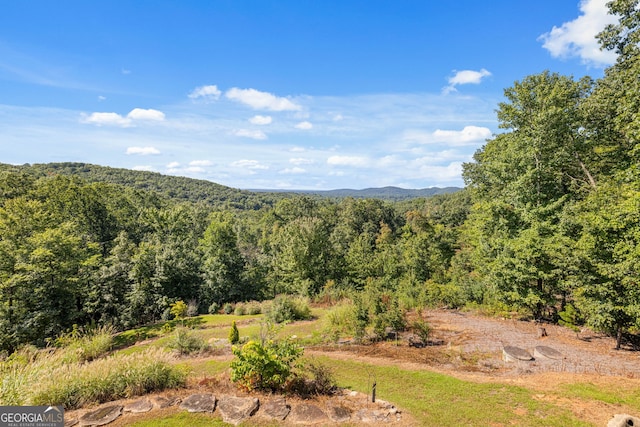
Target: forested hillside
(547, 227)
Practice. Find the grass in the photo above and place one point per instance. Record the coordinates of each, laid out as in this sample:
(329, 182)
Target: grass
(629, 396)
(436, 400)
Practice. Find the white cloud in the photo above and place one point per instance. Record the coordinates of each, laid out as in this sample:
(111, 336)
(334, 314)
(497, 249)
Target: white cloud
(142, 114)
(143, 151)
(304, 125)
(107, 119)
(261, 100)
(143, 168)
(292, 171)
(102, 98)
(249, 164)
(254, 134)
(465, 77)
(298, 149)
(195, 169)
(115, 119)
(208, 93)
(173, 165)
(201, 163)
(261, 120)
(468, 135)
(301, 161)
(577, 38)
(354, 161)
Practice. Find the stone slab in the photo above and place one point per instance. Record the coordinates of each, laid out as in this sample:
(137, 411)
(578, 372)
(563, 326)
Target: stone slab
(205, 402)
(101, 416)
(139, 406)
(276, 409)
(235, 410)
(307, 414)
(544, 352)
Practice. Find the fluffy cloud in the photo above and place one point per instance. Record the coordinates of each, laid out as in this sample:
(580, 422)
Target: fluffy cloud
(577, 38)
(292, 171)
(142, 114)
(107, 119)
(301, 161)
(304, 125)
(354, 161)
(208, 93)
(143, 151)
(173, 165)
(466, 77)
(115, 119)
(468, 135)
(253, 134)
(143, 168)
(249, 164)
(260, 120)
(261, 100)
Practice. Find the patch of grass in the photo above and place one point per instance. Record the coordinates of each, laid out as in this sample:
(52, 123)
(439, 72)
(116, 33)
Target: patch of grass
(180, 419)
(436, 400)
(84, 345)
(49, 380)
(616, 396)
(185, 342)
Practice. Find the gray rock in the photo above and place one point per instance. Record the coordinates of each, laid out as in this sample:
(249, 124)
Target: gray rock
(166, 401)
(235, 410)
(339, 414)
(307, 414)
(513, 354)
(139, 406)
(623, 420)
(199, 403)
(101, 416)
(276, 409)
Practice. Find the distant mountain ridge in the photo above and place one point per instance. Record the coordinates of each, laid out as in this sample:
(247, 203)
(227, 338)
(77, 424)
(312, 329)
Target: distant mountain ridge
(385, 193)
(198, 190)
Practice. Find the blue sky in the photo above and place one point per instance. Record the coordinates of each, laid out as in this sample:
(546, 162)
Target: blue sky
(289, 94)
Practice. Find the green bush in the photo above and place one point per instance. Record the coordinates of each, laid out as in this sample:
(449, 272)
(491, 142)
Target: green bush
(286, 308)
(264, 366)
(213, 308)
(240, 309)
(86, 344)
(421, 328)
(227, 308)
(253, 308)
(342, 321)
(185, 342)
(234, 334)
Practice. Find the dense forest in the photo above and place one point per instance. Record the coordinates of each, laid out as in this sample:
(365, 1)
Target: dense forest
(548, 227)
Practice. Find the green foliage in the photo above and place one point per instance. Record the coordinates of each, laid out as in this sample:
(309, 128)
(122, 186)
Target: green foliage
(227, 308)
(48, 380)
(342, 321)
(286, 308)
(421, 328)
(570, 318)
(264, 366)
(186, 342)
(86, 344)
(234, 334)
(179, 310)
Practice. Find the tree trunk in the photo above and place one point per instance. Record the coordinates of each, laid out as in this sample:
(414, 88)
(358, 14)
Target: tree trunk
(619, 338)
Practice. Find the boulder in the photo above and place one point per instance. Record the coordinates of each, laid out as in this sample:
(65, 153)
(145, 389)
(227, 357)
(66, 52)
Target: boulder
(307, 414)
(339, 414)
(101, 416)
(139, 406)
(166, 401)
(199, 403)
(235, 410)
(276, 409)
(623, 420)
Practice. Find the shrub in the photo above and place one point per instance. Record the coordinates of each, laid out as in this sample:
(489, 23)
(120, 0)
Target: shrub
(227, 308)
(286, 308)
(342, 320)
(179, 309)
(192, 308)
(264, 366)
(322, 378)
(240, 310)
(83, 345)
(234, 334)
(213, 308)
(421, 328)
(253, 308)
(185, 342)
